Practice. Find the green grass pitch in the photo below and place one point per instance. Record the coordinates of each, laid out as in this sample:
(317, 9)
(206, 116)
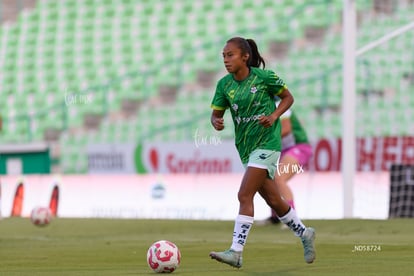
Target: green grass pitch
(119, 247)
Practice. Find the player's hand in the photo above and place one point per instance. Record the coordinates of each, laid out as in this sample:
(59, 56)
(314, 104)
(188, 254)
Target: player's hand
(218, 123)
(266, 121)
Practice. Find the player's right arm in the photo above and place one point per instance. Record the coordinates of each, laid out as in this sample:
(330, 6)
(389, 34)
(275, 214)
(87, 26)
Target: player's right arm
(285, 121)
(217, 119)
(219, 106)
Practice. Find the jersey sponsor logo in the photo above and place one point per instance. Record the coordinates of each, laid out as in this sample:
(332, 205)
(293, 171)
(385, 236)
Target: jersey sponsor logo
(240, 120)
(231, 94)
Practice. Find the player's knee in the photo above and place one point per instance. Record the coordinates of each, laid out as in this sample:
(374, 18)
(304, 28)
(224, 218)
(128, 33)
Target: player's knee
(244, 197)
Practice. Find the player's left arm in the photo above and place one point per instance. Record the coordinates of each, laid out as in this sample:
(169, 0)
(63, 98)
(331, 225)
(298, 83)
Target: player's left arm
(286, 101)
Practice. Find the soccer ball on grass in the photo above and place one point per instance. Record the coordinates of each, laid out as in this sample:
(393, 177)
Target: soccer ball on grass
(41, 216)
(163, 257)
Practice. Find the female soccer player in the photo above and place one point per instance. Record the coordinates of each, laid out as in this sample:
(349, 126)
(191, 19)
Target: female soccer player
(249, 92)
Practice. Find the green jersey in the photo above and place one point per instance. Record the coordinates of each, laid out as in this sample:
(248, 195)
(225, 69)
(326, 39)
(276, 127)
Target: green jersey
(298, 130)
(298, 134)
(248, 100)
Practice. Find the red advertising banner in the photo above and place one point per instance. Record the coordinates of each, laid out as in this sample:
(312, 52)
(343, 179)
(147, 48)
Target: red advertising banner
(373, 153)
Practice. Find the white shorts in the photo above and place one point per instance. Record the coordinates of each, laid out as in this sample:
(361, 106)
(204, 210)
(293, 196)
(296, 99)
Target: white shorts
(264, 159)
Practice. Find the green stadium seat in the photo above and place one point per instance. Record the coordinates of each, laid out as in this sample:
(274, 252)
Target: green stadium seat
(128, 49)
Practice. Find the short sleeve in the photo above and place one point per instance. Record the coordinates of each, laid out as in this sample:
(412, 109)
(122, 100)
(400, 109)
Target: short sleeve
(219, 101)
(275, 84)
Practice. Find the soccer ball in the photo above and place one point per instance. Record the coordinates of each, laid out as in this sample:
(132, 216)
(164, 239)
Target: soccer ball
(163, 257)
(41, 216)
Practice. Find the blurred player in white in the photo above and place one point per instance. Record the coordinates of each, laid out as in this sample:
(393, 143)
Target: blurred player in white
(296, 153)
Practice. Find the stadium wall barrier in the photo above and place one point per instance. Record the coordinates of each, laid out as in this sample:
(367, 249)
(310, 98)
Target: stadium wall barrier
(188, 196)
(210, 154)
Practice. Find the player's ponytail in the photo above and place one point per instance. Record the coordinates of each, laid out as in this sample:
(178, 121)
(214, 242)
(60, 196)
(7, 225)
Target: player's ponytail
(255, 58)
